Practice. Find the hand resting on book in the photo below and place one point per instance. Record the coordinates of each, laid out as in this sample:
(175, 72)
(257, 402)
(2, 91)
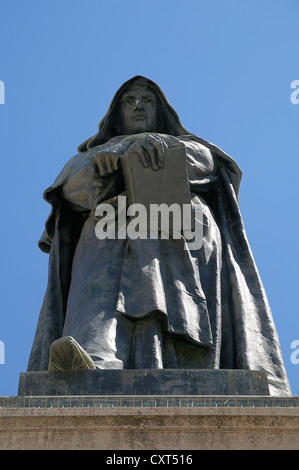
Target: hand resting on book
(151, 149)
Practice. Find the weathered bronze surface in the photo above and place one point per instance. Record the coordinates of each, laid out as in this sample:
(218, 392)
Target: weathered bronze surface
(152, 303)
(126, 382)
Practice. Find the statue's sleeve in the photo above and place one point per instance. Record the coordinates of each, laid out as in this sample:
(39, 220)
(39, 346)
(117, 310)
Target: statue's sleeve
(83, 187)
(199, 158)
(78, 181)
(201, 164)
(78, 185)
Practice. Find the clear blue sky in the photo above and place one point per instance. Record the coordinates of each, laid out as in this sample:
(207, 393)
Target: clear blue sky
(225, 66)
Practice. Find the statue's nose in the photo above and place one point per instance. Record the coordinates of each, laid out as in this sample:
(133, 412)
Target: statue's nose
(138, 103)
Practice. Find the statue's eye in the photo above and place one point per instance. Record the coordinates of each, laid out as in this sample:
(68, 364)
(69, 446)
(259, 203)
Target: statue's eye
(149, 100)
(128, 100)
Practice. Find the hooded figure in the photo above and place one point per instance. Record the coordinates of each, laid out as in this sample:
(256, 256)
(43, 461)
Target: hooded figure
(153, 303)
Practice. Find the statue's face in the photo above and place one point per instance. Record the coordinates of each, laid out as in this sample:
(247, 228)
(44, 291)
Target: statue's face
(138, 110)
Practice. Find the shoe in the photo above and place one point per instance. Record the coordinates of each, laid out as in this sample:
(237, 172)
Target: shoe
(66, 355)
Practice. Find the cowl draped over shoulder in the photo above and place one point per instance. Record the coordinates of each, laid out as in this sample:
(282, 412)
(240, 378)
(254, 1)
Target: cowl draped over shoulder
(234, 320)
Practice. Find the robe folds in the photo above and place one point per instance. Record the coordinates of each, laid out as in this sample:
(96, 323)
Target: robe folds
(212, 300)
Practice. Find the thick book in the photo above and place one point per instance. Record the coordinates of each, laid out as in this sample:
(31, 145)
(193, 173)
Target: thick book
(167, 185)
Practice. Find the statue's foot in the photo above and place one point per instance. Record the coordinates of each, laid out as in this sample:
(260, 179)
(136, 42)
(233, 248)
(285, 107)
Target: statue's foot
(66, 355)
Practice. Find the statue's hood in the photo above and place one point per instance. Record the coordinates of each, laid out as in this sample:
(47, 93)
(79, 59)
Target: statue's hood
(107, 127)
(171, 125)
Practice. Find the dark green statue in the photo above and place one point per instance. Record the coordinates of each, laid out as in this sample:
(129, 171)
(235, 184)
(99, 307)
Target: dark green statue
(134, 303)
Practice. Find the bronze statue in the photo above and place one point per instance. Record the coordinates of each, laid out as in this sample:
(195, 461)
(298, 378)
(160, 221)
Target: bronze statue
(125, 303)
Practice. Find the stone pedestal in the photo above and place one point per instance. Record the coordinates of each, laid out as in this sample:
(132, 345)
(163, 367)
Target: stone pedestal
(145, 382)
(136, 410)
(167, 424)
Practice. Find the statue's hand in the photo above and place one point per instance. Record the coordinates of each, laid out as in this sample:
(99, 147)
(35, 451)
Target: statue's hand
(151, 150)
(107, 162)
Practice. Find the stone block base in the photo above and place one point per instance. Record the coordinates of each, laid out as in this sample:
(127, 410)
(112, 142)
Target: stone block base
(165, 428)
(145, 382)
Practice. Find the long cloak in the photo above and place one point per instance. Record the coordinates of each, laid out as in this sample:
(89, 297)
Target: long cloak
(248, 335)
